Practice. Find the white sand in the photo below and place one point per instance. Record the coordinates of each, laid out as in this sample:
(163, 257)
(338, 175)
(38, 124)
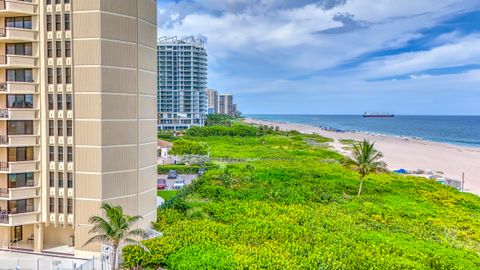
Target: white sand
(405, 153)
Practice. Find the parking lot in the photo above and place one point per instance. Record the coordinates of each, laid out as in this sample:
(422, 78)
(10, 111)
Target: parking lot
(187, 178)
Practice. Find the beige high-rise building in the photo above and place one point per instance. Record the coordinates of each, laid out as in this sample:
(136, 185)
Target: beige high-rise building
(212, 101)
(78, 118)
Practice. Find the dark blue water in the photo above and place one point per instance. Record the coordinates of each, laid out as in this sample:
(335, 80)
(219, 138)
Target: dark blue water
(459, 130)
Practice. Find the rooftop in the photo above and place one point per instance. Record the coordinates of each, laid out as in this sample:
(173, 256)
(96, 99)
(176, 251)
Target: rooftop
(190, 40)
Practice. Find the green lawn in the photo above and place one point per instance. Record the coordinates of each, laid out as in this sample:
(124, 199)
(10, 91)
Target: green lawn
(288, 204)
(167, 194)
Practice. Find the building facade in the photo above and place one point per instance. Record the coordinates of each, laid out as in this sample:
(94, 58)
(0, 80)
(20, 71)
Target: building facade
(182, 83)
(226, 105)
(77, 118)
(212, 97)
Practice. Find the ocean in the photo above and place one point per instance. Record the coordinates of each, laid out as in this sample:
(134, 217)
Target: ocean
(458, 130)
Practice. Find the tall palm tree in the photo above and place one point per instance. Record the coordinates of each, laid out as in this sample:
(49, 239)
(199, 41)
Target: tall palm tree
(115, 229)
(365, 160)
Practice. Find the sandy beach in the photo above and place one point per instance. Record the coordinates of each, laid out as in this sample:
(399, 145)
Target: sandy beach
(406, 153)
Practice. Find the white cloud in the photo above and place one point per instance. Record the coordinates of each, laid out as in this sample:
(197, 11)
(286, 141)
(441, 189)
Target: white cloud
(466, 51)
(258, 46)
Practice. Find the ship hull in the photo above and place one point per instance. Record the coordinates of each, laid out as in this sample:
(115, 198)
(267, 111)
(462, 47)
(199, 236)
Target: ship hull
(379, 116)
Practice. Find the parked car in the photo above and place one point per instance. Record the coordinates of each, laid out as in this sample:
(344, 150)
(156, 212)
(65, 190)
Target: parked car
(161, 183)
(172, 174)
(179, 184)
(201, 171)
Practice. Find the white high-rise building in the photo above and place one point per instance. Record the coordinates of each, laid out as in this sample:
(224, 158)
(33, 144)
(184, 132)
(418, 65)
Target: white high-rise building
(182, 83)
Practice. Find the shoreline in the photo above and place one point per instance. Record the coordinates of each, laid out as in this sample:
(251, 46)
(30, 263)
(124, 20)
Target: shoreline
(404, 152)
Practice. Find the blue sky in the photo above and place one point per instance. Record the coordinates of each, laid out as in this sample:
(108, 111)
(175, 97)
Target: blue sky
(337, 56)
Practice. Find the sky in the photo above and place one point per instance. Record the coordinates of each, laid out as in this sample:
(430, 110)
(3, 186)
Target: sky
(337, 56)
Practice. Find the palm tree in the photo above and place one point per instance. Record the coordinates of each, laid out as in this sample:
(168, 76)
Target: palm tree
(365, 160)
(115, 229)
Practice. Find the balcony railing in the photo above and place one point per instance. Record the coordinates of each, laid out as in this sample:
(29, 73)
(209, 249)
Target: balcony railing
(4, 217)
(4, 166)
(4, 140)
(4, 113)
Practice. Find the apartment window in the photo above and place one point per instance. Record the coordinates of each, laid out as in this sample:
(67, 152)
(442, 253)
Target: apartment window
(66, 21)
(49, 22)
(50, 75)
(58, 22)
(50, 102)
(69, 154)
(68, 49)
(66, 1)
(60, 179)
(19, 101)
(68, 101)
(49, 2)
(20, 154)
(69, 180)
(60, 127)
(58, 48)
(19, 75)
(51, 205)
(59, 102)
(20, 127)
(19, 22)
(20, 206)
(19, 48)
(60, 153)
(69, 128)
(51, 178)
(49, 49)
(59, 75)
(51, 153)
(51, 128)
(60, 205)
(68, 75)
(18, 180)
(69, 206)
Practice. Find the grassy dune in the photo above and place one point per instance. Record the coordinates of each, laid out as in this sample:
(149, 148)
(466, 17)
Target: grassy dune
(284, 203)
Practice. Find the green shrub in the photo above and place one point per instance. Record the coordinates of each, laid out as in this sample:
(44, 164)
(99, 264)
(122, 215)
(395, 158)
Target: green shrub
(183, 169)
(219, 120)
(187, 147)
(235, 130)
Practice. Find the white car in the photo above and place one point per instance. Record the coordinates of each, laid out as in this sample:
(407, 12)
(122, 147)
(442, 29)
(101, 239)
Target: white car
(179, 184)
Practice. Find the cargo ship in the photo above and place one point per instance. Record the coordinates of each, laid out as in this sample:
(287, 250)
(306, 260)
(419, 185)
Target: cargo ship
(378, 115)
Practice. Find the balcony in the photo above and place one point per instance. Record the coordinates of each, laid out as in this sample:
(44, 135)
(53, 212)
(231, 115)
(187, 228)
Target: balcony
(16, 219)
(19, 140)
(19, 193)
(18, 114)
(18, 35)
(18, 88)
(12, 8)
(18, 61)
(19, 166)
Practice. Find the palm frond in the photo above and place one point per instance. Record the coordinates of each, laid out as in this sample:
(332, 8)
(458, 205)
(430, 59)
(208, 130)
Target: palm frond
(101, 238)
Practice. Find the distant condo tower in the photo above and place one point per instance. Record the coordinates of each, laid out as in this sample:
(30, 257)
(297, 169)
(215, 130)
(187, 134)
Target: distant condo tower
(212, 101)
(182, 83)
(226, 105)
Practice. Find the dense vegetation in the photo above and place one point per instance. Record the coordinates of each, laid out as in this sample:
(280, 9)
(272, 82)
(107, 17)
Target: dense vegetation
(284, 201)
(189, 147)
(183, 169)
(219, 120)
(167, 194)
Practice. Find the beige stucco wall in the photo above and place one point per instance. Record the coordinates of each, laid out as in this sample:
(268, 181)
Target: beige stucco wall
(115, 111)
